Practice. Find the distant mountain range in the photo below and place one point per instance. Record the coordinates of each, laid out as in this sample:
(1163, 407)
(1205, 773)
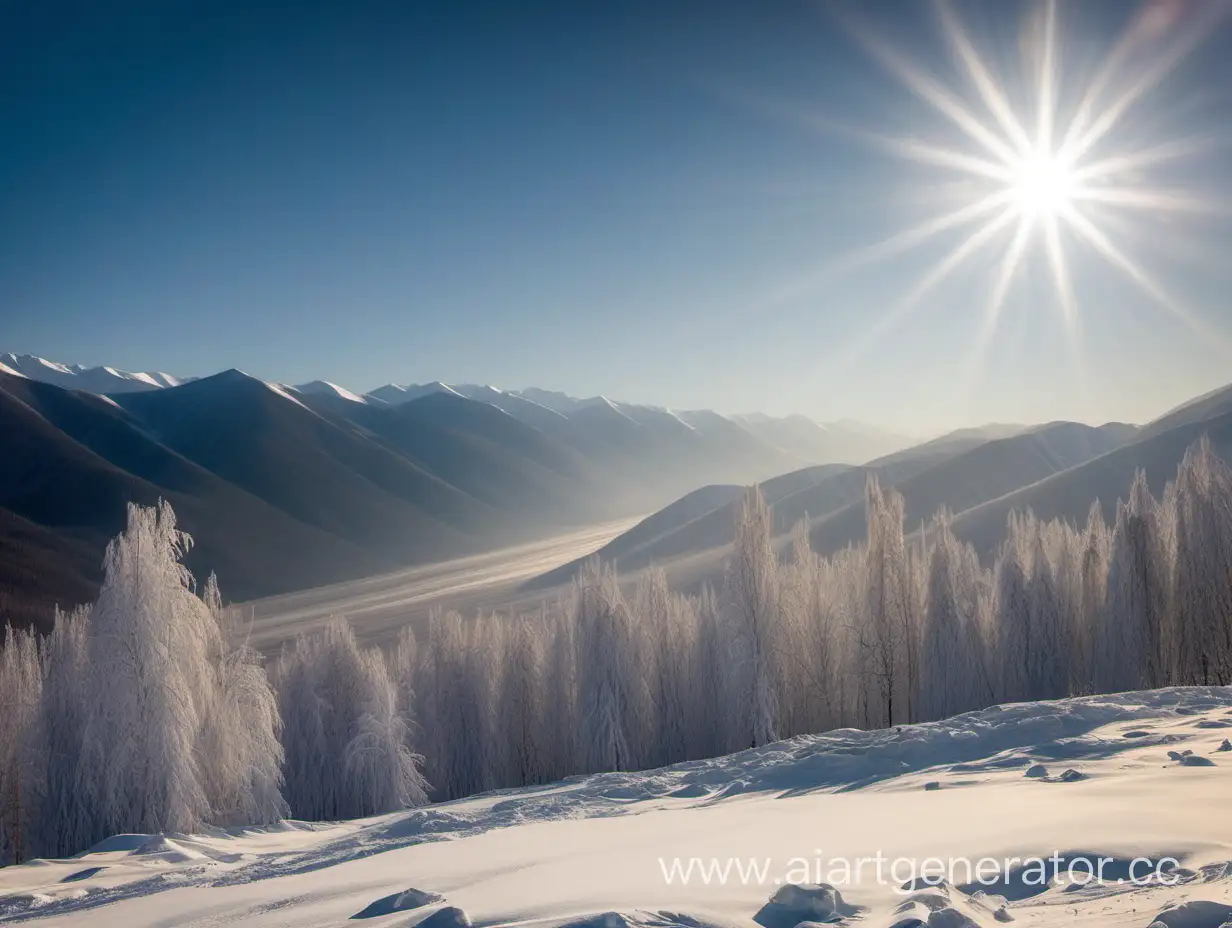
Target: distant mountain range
(76, 377)
(980, 475)
(285, 487)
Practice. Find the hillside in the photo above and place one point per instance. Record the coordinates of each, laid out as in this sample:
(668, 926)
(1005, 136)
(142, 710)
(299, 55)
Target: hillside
(78, 460)
(957, 471)
(733, 841)
(1069, 494)
(285, 488)
(986, 472)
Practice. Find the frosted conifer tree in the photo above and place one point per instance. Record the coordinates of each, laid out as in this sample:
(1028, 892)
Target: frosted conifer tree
(149, 682)
(752, 597)
(1202, 637)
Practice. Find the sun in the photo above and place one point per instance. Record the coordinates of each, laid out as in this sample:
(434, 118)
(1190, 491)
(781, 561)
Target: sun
(1043, 184)
(1049, 174)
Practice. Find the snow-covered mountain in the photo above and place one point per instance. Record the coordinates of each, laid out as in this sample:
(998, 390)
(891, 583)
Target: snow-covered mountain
(872, 828)
(91, 379)
(797, 438)
(325, 388)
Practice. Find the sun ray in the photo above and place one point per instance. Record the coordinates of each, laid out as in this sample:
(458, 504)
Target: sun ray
(1077, 145)
(1175, 150)
(1005, 275)
(1045, 114)
(1111, 253)
(1064, 286)
(932, 93)
(1007, 270)
(912, 149)
(987, 88)
(918, 234)
(1154, 200)
(925, 153)
(944, 268)
(1060, 271)
(1034, 169)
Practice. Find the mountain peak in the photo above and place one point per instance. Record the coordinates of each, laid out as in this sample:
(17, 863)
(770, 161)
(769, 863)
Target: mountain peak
(326, 388)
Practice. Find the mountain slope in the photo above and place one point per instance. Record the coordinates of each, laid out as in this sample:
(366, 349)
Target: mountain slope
(78, 459)
(986, 472)
(1069, 494)
(957, 471)
(90, 379)
(277, 448)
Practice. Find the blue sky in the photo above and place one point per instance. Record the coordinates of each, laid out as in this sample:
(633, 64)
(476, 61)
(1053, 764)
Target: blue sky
(650, 200)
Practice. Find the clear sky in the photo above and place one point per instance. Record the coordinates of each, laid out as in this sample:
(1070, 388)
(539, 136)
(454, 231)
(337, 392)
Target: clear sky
(666, 202)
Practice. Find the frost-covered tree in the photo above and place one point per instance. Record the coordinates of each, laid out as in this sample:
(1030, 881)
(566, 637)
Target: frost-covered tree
(66, 820)
(522, 707)
(561, 712)
(615, 706)
(753, 600)
(441, 696)
(346, 746)
(1201, 636)
(886, 630)
(383, 774)
(1012, 611)
(809, 678)
(1092, 570)
(20, 692)
(149, 682)
(952, 659)
(716, 729)
(239, 742)
(1130, 651)
(667, 643)
(1047, 661)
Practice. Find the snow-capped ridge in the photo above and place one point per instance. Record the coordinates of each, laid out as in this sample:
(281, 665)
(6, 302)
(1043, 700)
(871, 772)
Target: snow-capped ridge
(326, 388)
(102, 379)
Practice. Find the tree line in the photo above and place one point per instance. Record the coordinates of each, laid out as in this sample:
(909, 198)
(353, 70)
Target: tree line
(149, 712)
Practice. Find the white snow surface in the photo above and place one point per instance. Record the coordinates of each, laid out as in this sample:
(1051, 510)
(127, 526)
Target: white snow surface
(325, 388)
(588, 851)
(90, 379)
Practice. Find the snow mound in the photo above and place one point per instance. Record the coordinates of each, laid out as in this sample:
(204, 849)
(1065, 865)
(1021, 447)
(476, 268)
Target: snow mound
(1190, 759)
(1194, 760)
(404, 901)
(126, 843)
(590, 851)
(1199, 913)
(448, 917)
(795, 903)
(161, 847)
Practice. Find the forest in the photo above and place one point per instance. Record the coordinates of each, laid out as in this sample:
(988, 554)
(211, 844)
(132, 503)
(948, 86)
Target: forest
(149, 712)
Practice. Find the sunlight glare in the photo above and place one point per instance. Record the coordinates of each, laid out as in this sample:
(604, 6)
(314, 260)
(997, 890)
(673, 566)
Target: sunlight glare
(1039, 168)
(1043, 184)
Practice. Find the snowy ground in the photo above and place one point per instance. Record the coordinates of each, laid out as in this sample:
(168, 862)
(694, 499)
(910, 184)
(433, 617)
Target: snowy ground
(377, 607)
(969, 788)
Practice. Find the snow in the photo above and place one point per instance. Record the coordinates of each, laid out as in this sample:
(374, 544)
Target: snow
(90, 379)
(325, 388)
(395, 394)
(286, 392)
(591, 851)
